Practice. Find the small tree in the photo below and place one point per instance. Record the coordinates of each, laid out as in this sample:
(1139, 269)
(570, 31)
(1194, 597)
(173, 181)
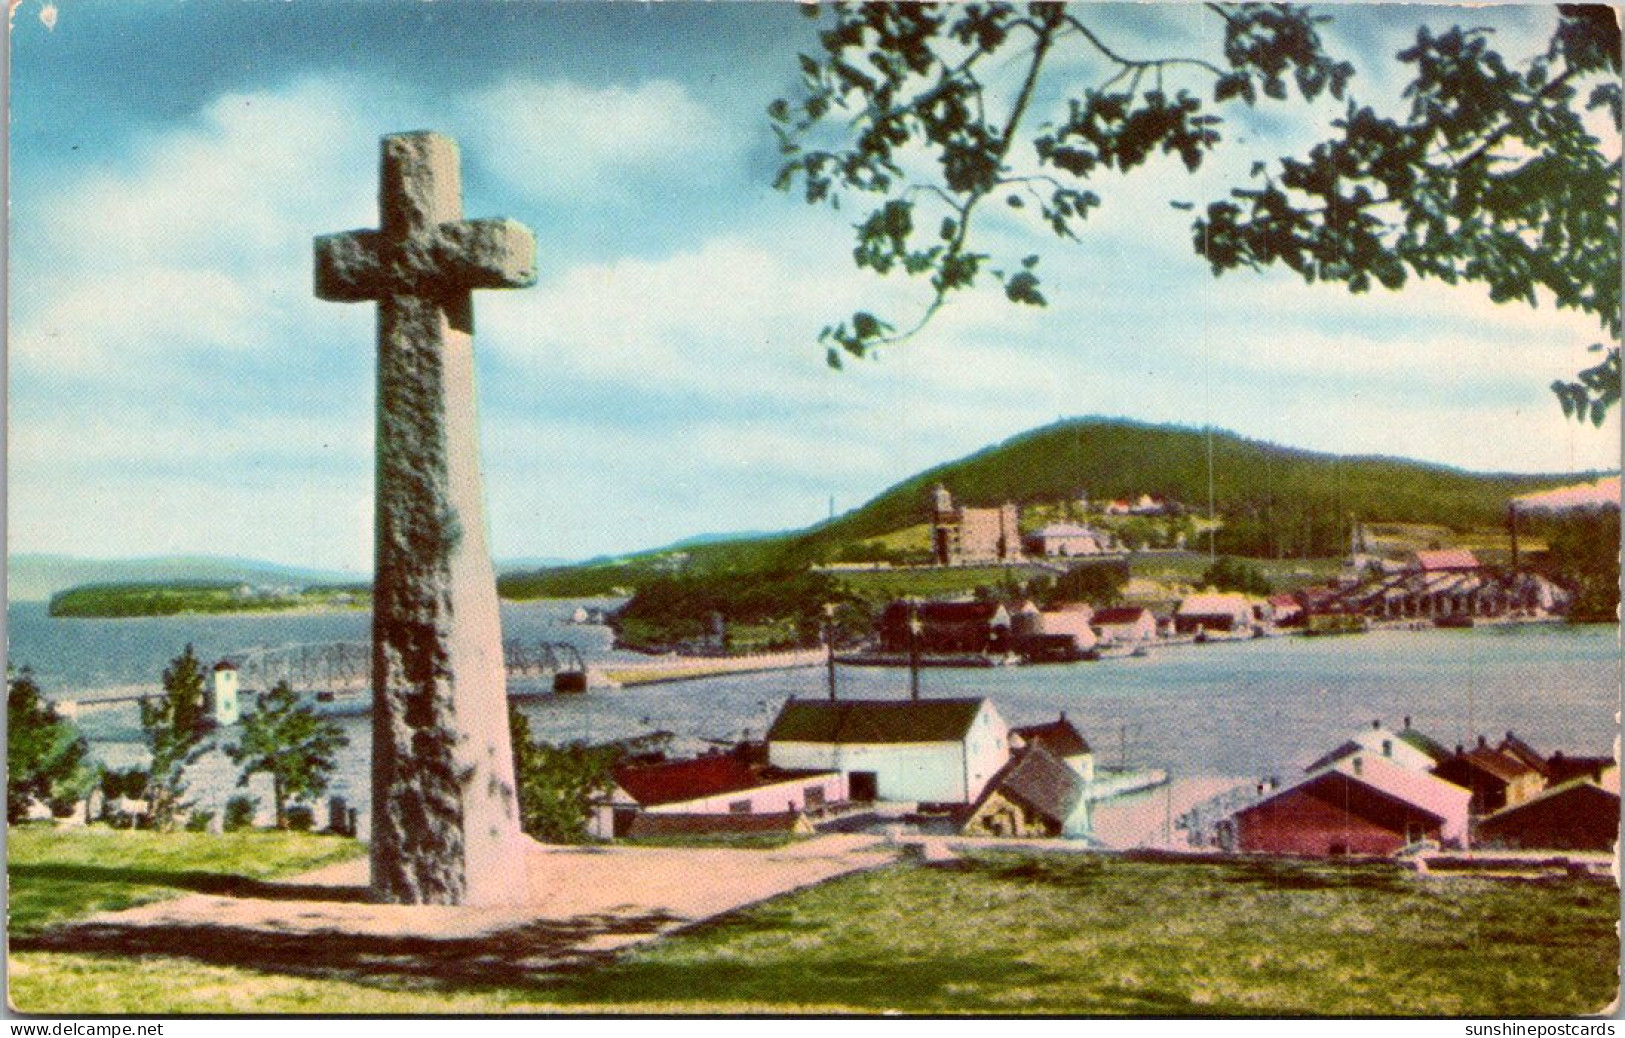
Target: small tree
(288, 741)
(47, 759)
(557, 783)
(174, 727)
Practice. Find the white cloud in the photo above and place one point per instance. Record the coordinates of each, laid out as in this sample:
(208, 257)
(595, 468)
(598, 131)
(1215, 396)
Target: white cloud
(555, 140)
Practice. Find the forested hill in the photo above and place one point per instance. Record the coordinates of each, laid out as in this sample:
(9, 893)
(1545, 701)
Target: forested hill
(1273, 500)
(1255, 484)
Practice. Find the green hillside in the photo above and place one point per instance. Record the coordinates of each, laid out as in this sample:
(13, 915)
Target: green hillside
(1274, 501)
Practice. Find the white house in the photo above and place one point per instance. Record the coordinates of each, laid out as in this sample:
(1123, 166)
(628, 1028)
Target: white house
(720, 784)
(1066, 540)
(1377, 741)
(940, 751)
(1124, 625)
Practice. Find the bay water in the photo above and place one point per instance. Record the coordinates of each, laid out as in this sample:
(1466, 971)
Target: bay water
(1237, 710)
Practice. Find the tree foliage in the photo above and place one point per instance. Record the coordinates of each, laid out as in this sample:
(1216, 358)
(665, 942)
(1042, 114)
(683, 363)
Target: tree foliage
(672, 609)
(1098, 583)
(175, 728)
(287, 740)
(1228, 574)
(927, 113)
(557, 784)
(1583, 552)
(47, 759)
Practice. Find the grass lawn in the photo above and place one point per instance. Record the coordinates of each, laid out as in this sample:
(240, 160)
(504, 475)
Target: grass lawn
(57, 874)
(1000, 933)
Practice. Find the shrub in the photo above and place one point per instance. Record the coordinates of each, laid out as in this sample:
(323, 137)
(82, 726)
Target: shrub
(240, 811)
(300, 818)
(198, 821)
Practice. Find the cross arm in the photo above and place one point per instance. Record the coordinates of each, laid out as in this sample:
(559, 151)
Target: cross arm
(349, 266)
(487, 253)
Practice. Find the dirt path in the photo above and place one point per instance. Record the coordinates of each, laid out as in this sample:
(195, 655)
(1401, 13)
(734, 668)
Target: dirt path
(580, 903)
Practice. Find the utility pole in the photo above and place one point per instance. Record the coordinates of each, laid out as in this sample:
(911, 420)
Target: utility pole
(913, 649)
(829, 645)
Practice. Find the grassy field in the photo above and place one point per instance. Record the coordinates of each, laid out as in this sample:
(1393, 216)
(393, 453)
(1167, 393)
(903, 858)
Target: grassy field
(58, 874)
(886, 584)
(1002, 933)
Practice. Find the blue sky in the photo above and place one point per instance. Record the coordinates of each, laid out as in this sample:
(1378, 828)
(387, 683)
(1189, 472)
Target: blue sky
(174, 387)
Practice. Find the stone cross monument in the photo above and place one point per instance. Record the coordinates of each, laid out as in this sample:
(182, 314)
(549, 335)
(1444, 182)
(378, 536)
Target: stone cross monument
(445, 819)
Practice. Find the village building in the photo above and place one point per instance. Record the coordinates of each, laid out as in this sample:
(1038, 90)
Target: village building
(929, 751)
(1285, 610)
(1126, 625)
(1214, 612)
(1381, 742)
(1580, 814)
(946, 627)
(1561, 768)
(1359, 804)
(1062, 740)
(1450, 586)
(970, 536)
(1067, 540)
(1145, 504)
(718, 784)
(1434, 750)
(1035, 795)
(1495, 779)
(1054, 635)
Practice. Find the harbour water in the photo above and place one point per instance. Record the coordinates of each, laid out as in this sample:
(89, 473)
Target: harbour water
(1242, 709)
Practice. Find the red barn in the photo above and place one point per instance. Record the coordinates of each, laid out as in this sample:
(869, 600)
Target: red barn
(1361, 804)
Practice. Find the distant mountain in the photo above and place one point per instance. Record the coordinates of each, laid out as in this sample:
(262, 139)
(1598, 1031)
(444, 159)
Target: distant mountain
(31, 577)
(1270, 497)
(524, 563)
(701, 540)
(1273, 500)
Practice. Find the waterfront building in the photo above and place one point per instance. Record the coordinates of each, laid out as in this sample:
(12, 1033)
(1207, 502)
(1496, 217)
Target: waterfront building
(718, 784)
(933, 751)
(1359, 804)
(1495, 779)
(1125, 625)
(1035, 795)
(1059, 634)
(1382, 742)
(946, 627)
(1226, 613)
(1580, 814)
(1062, 740)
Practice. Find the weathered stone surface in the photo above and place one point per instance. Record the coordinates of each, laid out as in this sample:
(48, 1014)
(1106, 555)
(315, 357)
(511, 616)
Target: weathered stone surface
(445, 822)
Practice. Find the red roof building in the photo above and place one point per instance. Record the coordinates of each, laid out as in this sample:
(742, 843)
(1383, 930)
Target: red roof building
(1581, 814)
(1359, 805)
(1495, 779)
(718, 784)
